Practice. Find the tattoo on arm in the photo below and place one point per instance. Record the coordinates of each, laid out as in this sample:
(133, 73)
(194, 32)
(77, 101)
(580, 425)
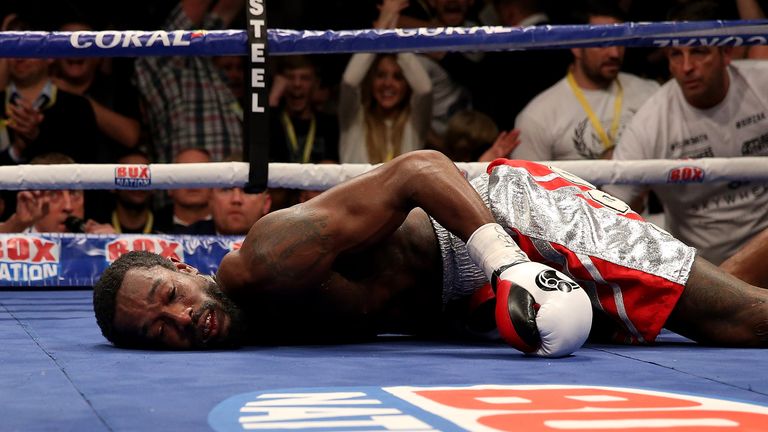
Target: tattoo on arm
(295, 246)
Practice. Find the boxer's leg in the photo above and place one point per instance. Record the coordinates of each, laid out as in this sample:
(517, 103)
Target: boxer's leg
(717, 308)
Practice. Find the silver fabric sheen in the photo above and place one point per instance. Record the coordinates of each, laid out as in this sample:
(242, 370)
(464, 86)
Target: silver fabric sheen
(558, 216)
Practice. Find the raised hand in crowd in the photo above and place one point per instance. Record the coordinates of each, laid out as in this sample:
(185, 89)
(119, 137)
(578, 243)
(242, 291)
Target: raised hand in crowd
(389, 13)
(503, 146)
(276, 92)
(30, 207)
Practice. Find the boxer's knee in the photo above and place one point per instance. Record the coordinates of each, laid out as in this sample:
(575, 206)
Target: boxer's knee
(747, 328)
(754, 325)
(719, 309)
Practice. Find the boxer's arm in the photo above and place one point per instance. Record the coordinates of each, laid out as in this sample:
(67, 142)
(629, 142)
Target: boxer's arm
(296, 247)
(370, 207)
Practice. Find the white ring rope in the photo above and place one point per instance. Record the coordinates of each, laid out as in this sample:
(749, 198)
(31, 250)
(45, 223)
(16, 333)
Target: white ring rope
(320, 177)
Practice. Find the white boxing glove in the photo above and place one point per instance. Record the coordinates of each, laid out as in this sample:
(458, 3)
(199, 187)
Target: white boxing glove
(539, 310)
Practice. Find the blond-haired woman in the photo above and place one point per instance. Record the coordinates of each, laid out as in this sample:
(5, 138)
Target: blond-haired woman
(385, 103)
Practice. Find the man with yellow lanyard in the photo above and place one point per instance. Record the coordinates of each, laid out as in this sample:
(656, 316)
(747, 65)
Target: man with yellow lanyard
(299, 132)
(583, 114)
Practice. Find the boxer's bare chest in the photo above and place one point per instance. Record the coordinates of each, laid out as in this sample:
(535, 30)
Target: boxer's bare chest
(393, 287)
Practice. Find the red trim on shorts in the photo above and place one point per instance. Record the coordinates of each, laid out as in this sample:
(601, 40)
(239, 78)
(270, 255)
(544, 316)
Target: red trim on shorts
(647, 299)
(538, 170)
(534, 168)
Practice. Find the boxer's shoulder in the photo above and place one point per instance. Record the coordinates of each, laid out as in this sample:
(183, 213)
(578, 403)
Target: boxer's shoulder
(234, 274)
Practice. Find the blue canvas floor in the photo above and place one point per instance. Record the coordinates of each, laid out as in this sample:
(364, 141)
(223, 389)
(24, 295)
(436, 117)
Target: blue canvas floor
(58, 373)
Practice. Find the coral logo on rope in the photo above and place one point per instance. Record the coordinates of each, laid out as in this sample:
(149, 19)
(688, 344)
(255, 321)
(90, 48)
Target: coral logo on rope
(437, 31)
(164, 247)
(127, 39)
(529, 408)
(29, 258)
(133, 176)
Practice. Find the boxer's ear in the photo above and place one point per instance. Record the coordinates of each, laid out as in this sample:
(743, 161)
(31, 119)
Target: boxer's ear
(185, 268)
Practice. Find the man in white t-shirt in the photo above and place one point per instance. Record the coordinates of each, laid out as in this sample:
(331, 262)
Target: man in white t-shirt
(583, 114)
(712, 108)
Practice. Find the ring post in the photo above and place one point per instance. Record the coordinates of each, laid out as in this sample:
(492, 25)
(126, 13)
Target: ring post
(256, 114)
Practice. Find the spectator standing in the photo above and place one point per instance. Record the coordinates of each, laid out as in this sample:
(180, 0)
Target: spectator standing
(712, 108)
(385, 105)
(186, 102)
(583, 114)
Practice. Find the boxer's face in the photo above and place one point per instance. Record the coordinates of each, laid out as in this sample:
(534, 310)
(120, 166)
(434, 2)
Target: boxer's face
(180, 309)
(701, 72)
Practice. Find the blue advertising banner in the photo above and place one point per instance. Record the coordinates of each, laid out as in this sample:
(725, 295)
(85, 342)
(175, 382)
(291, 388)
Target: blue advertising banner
(77, 260)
